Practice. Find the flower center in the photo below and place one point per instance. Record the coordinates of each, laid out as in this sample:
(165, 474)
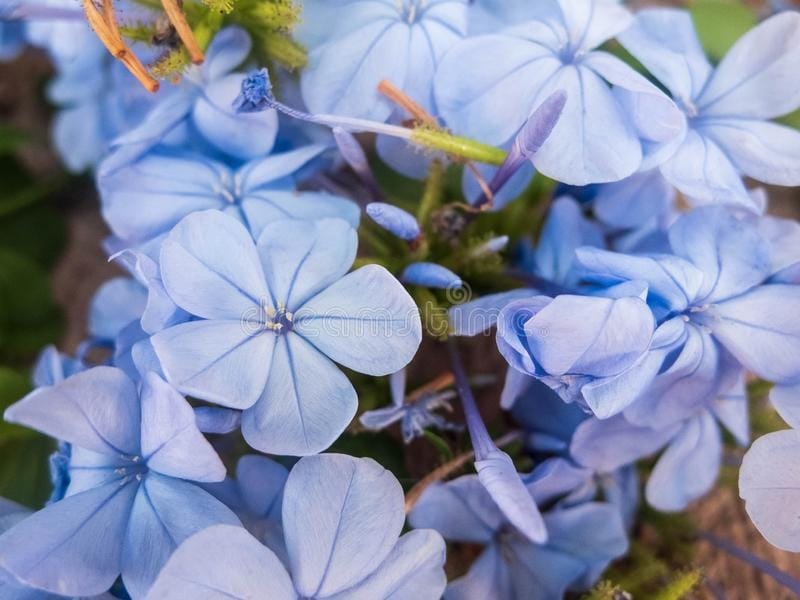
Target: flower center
(411, 11)
(279, 321)
(229, 188)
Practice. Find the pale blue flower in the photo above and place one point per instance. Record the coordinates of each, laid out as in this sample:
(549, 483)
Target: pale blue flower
(342, 518)
(488, 85)
(583, 539)
(728, 108)
(134, 454)
(271, 317)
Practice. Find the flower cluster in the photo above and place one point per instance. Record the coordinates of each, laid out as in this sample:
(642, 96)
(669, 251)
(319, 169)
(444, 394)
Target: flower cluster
(259, 306)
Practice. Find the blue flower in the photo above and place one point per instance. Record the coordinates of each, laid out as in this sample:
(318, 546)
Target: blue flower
(415, 414)
(583, 539)
(271, 317)
(768, 478)
(488, 85)
(143, 200)
(199, 113)
(690, 463)
(369, 41)
(342, 518)
(716, 309)
(256, 496)
(727, 109)
(134, 455)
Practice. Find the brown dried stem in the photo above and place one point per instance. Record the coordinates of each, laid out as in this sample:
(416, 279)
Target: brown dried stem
(178, 20)
(105, 26)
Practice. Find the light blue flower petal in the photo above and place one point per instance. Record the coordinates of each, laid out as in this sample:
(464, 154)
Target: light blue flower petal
(492, 99)
(72, 547)
(261, 483)
(693, 374)
(397, 387)
(499, 476)
(218, 361)
(262, 207)
(78, 136)
(299, 413)
(514, 386)
(760, 329)
(608, 444)
(769, 483)
(756, 77)
(331, 545)
(731, 409)
(148, 197)
(115, 304)
(701, 170)
(160, 523)
(762, 150)
(461, 510)
(588, 335)
(658, 121)
(342, 76)
(270, 172)
(210, 268)
(665, 41)
(488, 577)
(565, 230)
(366, 321)
(589, 23)
(786, 400)
(634, 202)
(540, 572)
(689, 467)
(577, 152)
(555, 477)
(377, 420)
(673, 283)
(730, 252)
(227, 50)
(97, 409)
(303, 258)
(170, 434)
(591, 532)
(477, 316)
(241, 135)
(223, 563)
(414, 570)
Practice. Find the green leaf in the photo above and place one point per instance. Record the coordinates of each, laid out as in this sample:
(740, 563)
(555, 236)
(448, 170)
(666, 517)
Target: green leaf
(11, 138)
(720, 23)
(442, 447)
(51, 234)
(29, 318)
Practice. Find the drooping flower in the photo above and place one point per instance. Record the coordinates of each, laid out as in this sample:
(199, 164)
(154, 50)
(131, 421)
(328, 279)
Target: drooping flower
(603, 134)
(269, 319)
(135, 454)
(415, 414)
(729, 109)
(342, 518)
(583, 539)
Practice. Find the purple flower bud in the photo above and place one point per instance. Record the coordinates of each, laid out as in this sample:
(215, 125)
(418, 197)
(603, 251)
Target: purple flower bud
(431, 275)
(395, 220)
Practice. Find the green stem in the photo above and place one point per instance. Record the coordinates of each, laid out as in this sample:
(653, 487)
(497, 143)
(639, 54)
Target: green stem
(432, 194)
(454, 145)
